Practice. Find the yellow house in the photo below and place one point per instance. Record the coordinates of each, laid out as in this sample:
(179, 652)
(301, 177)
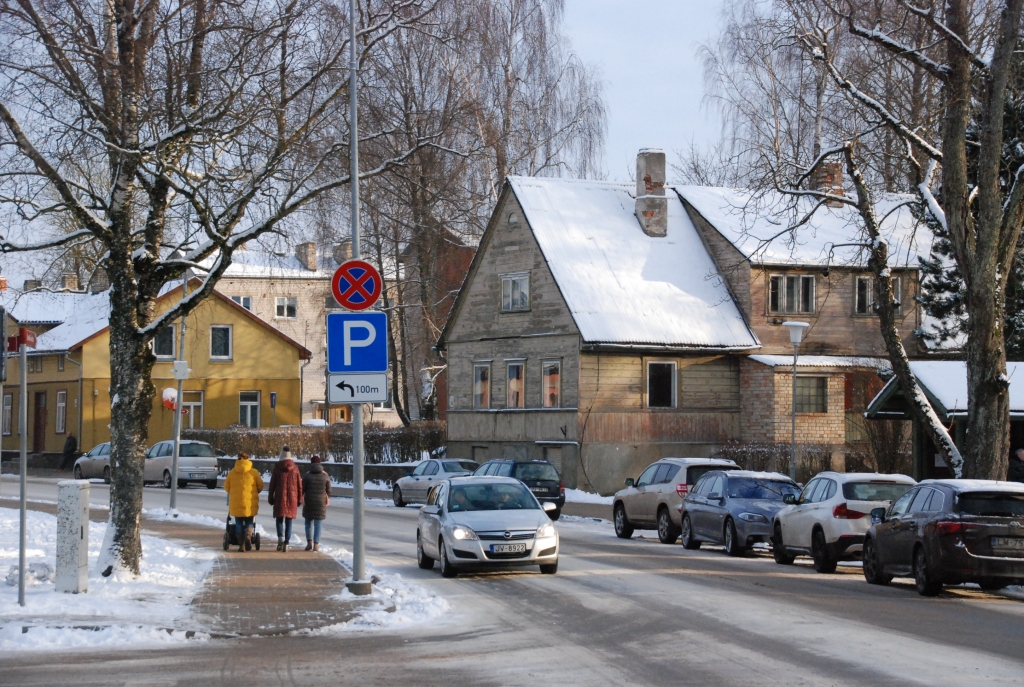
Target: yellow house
(238, 362)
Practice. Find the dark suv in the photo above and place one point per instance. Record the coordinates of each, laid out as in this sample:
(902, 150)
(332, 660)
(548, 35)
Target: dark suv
(539, 475)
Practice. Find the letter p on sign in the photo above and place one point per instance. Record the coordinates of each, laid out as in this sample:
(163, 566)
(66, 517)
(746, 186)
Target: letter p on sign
(351, 343)
(357, 342)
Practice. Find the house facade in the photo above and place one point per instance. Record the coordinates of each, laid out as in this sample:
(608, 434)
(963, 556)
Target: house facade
(603, 327)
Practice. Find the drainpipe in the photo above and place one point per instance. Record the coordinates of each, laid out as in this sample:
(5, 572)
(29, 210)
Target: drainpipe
(81, 401)
(302, 386)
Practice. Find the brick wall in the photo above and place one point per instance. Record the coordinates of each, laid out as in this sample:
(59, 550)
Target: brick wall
(766, 402)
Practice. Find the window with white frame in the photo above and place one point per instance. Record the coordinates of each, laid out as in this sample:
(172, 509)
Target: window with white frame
(192, 409)
(8, 413)
(791, 293)
(62, 411)
(516, 386)
(60, 362)
(220, 342)
(515, 292)
(249, 408)
(482, 386)
(661, 384)
(863, 297)
(550, 383)
(244, 301)
(163, 343)
(286, 307)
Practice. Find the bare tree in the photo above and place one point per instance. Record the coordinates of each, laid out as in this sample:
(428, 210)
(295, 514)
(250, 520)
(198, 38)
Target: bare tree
(172, 133)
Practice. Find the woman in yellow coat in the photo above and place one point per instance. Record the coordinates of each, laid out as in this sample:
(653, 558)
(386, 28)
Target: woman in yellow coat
(243, 485)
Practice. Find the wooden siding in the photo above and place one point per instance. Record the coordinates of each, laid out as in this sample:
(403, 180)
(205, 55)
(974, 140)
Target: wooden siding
(619, 381)
(659, 427)
(525, 426)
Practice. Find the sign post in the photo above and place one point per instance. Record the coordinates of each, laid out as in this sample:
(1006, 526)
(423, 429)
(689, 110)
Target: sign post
(24, 339)
(273, 406)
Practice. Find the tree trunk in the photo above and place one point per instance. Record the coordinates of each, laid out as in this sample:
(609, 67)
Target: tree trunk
(987, 446)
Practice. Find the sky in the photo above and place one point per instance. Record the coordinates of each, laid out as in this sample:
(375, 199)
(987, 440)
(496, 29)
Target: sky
(646, 56)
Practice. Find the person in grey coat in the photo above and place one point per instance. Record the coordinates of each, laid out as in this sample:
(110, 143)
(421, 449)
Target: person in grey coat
(316, 486)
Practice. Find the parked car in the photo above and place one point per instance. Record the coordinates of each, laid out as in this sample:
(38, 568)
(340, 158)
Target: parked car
(734, 508)
(652, 500)
(414, 486)
(949, 531)
(539, 475)
(829, 519)
(95, 463)
(197, 462)
(485, 522)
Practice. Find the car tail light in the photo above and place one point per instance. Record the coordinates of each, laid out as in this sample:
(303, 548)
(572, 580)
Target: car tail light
(683, 489)
(561, 488)
(841, 511)
(954, 528)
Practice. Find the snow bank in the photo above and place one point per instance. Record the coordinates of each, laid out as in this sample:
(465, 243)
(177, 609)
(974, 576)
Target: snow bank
(168, 515)
(373, 485)
(580, 496)
(120, 610)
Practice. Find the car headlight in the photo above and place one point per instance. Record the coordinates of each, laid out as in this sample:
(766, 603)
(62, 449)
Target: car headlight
(752, 517)
(545, 531)
(464, 533)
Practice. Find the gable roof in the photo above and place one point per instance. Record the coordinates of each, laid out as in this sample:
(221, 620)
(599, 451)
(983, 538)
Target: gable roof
(756, 226)
(42, 307)
(622, 287)
(944, 382)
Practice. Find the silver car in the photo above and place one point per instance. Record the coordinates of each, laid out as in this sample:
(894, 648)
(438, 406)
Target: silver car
(95, 463)
(413, 488)
(485, 522)
(197, 462)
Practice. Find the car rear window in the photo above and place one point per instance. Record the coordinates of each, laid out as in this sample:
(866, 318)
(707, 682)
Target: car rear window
(991, 503)
(459, 466)
(196, 450)
(697, 471)
(768, 489)
(539, 471)
(468, 497)
(875, 491)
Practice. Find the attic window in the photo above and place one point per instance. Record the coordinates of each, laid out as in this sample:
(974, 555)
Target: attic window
(791, 293)
(515, 292)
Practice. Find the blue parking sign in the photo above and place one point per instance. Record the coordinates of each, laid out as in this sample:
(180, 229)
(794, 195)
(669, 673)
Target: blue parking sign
(357, 342)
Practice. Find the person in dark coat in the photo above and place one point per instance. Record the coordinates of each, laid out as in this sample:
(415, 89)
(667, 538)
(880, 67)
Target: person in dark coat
(316, 485)
(285, 495)
(1016, 471)
(70, 452)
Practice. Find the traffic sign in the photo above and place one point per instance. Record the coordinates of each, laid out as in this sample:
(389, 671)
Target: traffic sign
(356, 285)
(356, 387)
(357, 342)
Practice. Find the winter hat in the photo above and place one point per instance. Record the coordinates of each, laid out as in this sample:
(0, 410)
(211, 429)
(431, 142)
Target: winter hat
(243, 456)
(286, 453)
(314, 459)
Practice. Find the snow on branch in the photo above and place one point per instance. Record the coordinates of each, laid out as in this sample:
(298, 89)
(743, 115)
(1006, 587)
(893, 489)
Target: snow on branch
(929, 16)
(939, 71)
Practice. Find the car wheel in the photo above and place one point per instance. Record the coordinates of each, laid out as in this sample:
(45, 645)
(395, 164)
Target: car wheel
(924, 580)
(823, 563)
(78, 472)
(689, 542)
(182, 483)
(782, 557)
(106, 475)
(732, 539)
(549, 568)
(167, 480)
(212, 484)
(667, 532)
(872, 566)
(396, 496)
(623, 528)
(447, 570)
(991, 585)
(423, 560)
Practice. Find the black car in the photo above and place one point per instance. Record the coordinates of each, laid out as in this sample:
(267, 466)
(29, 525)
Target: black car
(949, 531)
(539, 475)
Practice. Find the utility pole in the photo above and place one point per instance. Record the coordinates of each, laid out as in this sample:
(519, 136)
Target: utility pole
(180, 374)
(796, 335)
(23, 425)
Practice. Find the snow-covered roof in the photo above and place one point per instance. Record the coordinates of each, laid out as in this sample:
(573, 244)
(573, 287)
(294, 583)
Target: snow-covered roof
(270, 265)
(757, 226)
(91, 314)
(42, 307)
(822, 361)
(622, 286)
(945, 382)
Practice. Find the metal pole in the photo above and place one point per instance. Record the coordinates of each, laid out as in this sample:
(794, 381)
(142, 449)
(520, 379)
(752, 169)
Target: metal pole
(177, 407)
(23, 424)
(358, 585)
(792, 455)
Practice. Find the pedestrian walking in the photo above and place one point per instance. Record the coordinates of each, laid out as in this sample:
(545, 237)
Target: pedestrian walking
(317, 488)
(285, 495)
(243, 485)
(1016, 471)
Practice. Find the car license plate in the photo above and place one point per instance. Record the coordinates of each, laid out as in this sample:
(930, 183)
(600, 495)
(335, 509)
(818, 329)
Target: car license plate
(508, 548)
(539, 490)
(193, 475)
(1016, 543)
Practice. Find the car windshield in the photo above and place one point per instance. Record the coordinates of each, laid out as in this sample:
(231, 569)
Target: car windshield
(751, 488)
(992, 503)
(541, 471)
(196, 450)
(468, 497)
(459, 466)
(874, 491)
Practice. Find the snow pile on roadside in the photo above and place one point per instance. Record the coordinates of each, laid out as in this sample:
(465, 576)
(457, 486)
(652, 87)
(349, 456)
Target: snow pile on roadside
(168, 515)
(370, 485)
(580, 496)
(119, 610)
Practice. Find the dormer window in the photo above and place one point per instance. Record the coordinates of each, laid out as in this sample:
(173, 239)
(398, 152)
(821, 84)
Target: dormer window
(791, 293)
(515, 292)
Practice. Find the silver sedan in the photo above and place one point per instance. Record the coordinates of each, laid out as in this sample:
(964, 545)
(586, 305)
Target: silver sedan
(484, 522)
(413, 488)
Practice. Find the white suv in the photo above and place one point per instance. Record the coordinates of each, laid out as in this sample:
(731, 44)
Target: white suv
(833, 513)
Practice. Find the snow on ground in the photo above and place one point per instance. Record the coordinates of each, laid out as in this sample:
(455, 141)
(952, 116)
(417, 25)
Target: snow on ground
(370, 485)
(166, 514)
(119, 610)
(580, 496)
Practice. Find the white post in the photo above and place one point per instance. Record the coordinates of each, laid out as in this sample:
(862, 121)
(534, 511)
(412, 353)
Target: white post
(23, 424)
(177, 404)
(72, 536)
(796, 335)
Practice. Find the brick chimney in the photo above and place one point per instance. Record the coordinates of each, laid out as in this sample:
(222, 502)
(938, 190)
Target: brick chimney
(342, 252)
(32, 285)
(306, 253)
(651, 203)
(99, 282)
(69, 282)
(828, 177)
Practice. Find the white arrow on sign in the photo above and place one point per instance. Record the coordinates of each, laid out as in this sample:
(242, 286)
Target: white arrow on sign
(366, 387)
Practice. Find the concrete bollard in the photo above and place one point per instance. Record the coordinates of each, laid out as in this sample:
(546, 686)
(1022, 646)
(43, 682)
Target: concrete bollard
(72, 536)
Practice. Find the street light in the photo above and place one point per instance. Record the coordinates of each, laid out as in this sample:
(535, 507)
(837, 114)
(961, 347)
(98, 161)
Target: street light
(796, 335)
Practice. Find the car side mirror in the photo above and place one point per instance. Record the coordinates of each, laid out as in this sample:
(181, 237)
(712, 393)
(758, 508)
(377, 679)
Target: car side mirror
(408, 473)
(715, 497)
(548, 506)
(629, 482)
(431, 510)
(877, 515)
(789, 499)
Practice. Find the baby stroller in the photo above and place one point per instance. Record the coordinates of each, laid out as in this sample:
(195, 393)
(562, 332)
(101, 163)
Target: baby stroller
(231, 536)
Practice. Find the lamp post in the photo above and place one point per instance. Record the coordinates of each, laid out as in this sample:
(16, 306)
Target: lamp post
(796, 335)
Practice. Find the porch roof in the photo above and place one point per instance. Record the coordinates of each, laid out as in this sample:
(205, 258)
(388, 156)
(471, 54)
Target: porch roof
(944, 382)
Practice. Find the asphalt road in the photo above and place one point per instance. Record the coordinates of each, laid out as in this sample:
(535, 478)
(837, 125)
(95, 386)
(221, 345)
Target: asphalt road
(618, 613)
